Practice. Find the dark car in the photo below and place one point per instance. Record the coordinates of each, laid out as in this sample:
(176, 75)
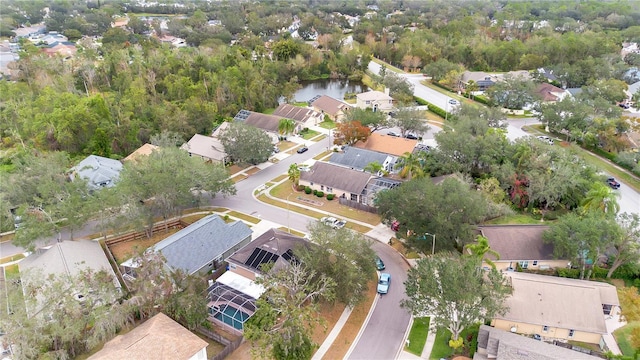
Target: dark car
(613, 183)
(411, 137)
(379, 264)
(302, 149)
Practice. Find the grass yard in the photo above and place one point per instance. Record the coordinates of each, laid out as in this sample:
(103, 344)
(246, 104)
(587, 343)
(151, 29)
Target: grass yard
(7, 237)
(291, 231)
(244, 217)
(608, 167)
(7, 259)
(623, 338)
(387, 65)
(441, 347)
(418, 335)
(327, 124)
(515, 219)
(309, 134)
(403, 249)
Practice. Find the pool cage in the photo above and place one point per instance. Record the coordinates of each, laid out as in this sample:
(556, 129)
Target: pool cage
(229, 307)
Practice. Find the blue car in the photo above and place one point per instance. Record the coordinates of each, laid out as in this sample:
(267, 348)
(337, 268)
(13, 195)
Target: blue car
(383, 283)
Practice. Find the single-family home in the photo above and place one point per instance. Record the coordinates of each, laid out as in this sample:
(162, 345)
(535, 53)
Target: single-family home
(387, 144)
(358, 159)
(558, 308)
(64, 49)
(521, 245)
(160, 337)
(632, 90)
(28, 31)
(546, 75)
(484, 80)
(267, 122)
(335, 179)
(375, 100)
(550, 94)
(209, 148)
(498, 344)
(232, 298)
(66, 258)
(200, 247)
(144, 150)
(98, 171)
(302, 115)
(333, 108)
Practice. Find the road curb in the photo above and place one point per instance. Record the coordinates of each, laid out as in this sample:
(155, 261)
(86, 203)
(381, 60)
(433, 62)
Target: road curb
(363, 327)
(404, 338)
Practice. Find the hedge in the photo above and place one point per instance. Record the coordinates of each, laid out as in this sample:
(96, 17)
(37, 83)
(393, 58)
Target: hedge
(434, 109)
(307, 190)
(320, 194)
(330, 196)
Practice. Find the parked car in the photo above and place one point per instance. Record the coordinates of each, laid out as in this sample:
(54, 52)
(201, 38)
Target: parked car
(392, 133)
(453, 102)
(411, 137)
(613, 183)
(546, 139)
(333, 222)
(379, 264)
(383, 283)
(302, 149)
(276, 149)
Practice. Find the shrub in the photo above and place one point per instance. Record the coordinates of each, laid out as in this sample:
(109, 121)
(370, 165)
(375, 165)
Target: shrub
(319, 194)
(330, 196)
(307, 190)
(569, 273)
(315, 192)
(301, 188)
(599, 273)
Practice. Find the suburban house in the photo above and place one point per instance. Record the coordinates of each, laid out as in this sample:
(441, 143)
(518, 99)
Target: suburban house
(550, 94)
(375, 100)
(521, 245)
(100, 172)
(358, 159)
(29, 31)
(546, 74)
(200, 247)
(66, 258)
(326, 105)
(301, 115)
(160, 338)
(387, 144)
(144, 150)
(207, 147)
(484, 80)
(268, 123)
(558, 308)
(503, 345)
(335, 179)
(64, 49)
(232, 298)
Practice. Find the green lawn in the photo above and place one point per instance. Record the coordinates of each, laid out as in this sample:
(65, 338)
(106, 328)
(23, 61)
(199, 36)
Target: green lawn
(327, 124)
(418, 335)
(441, 347)
(309, 134)
(387, 65)
(515, 219)
(623, 336)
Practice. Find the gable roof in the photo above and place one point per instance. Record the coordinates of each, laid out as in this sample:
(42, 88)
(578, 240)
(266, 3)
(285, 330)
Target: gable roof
(337, 177)
(357, 158)
(144, 150)
(373, 95)
(518, 242)
(574, 91)
(558, 302)
(387, 144)
(549, 92)
(98, 171)
(633, 88)
(205, 146)
(329, 105)
(262, 121)
(159, 337)
(276, 243)
(196, 245)
(296, 113)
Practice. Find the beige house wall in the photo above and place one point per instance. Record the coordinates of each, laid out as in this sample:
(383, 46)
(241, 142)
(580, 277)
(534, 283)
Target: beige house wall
(382, 105)
(337, 192)
(242, 271)
(552, 332)
(550, 264)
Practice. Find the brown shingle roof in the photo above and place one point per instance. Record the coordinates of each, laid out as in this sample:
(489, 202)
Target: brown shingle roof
(388, 144)
(337, 177)
(274, 241)
(263, 121)
(143, 150)
(330, 105)
(295, 112)
(545, 91)
(518, 242)
(159, 338)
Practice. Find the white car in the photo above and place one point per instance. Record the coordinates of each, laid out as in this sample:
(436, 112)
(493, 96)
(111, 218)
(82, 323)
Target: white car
(333, 222)
(546, 139)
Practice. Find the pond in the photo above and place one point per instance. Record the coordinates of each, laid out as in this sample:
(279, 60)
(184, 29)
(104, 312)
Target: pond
(334, 88)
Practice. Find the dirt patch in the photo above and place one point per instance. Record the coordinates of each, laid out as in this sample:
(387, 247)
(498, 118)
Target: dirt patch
(234, 169)
(461, 358)
(238, 178)
(125, 250)
(252, 171)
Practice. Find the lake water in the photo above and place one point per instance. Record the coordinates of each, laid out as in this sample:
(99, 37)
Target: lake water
(334, 88)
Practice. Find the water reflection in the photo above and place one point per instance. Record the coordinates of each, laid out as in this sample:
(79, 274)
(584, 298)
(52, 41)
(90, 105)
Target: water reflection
(334, 88)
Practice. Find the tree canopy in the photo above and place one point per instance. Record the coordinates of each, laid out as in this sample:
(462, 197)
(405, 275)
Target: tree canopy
(246, 144)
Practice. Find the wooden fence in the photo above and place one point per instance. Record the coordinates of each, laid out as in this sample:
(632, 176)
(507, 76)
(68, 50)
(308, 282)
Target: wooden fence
(135, 235)
(357, 205)
(229, 345)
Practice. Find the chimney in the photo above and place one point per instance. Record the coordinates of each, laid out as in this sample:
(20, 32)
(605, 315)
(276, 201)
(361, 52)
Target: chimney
(386, 91)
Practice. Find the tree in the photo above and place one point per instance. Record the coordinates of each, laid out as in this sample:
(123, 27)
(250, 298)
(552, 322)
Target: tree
(455, 290)
(601, 198)
(399, 88)
(449, 209)
(411, 119)
(286, 127)
(294, 174)
(349, 133)
(480, 249)
(612, 90)
(581, 238)
(411, 165)
(246, 144)
(343, 256)
(375, 168)
(375, 120)
(512, 92)
(627, 244)
(440, 68)
(287, 312)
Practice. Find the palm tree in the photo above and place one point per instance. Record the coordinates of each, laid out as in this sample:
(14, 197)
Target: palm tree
(376, 168)
(286, 127)
(411, 166)
(480, 248)
(601, 197)
(294, 174)
(470, 87)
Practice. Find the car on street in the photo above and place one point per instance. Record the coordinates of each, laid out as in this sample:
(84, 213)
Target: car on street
(302, 149)
(411, 137)
(393, 133)
(333, 222)
(613, 183)
(545, 139)
(453, 102)
(383, 283)
(379, 264)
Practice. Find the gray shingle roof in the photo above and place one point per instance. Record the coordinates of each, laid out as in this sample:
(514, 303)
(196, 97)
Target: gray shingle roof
(329, 105)
(357, 158)
(518, 242)
(198, 244)
(262, 121)
(337, 177)
(98, 171)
